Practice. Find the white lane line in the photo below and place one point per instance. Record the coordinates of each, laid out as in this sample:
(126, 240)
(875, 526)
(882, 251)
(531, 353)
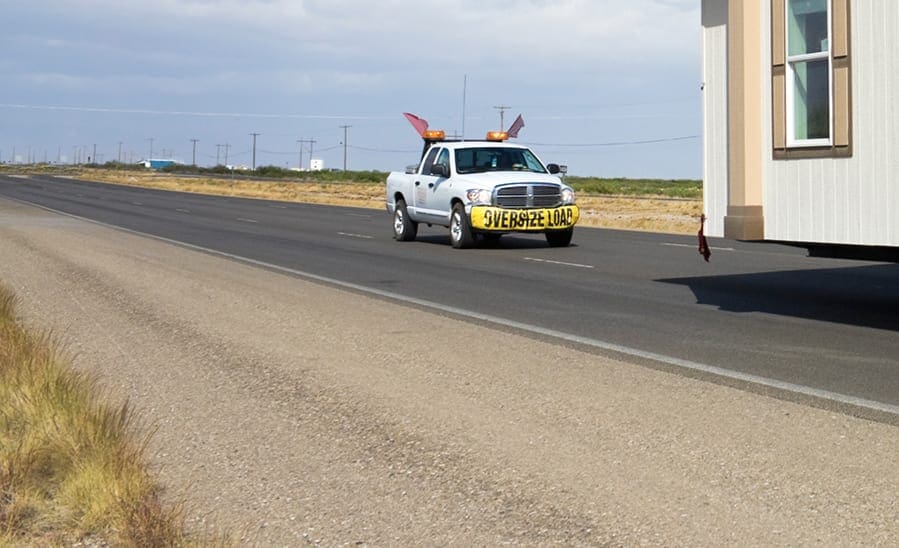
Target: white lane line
(360, 215)
(835, 397)
(278, 206)
(690, 245)
(360, 236)
(132, 203)
(241, 219)
(183, 210)
(576, 265)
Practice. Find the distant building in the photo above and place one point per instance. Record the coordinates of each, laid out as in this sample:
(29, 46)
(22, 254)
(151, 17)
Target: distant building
(316, 164)
(157, 163)
(799, 127)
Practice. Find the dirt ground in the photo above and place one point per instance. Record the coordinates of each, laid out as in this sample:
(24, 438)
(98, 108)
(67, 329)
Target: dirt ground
(675, 216)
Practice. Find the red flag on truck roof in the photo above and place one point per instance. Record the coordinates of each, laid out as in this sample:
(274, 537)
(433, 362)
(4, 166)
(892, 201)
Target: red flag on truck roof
(420, 124)
(516, 127)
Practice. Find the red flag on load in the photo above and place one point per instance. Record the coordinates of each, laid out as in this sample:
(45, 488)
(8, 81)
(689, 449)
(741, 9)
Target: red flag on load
(515, 127)
(420, 125)
(703, 243)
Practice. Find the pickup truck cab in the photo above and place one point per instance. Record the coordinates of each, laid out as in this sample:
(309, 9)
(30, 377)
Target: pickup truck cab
(481, 190)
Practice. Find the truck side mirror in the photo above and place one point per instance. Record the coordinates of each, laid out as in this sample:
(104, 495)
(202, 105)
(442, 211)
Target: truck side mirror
(412, 169)
(554, 169)
(441, 170)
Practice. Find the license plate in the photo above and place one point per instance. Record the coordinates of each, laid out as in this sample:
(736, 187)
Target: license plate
(523, 220)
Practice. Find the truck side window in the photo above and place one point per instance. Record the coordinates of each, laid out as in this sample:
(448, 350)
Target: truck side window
(429, 161)
(443, 159)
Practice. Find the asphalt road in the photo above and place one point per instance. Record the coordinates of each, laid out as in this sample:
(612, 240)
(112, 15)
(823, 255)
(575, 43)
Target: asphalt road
(759, 310)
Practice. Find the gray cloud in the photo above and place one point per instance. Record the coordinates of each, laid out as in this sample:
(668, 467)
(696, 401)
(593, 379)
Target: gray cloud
(569, 60)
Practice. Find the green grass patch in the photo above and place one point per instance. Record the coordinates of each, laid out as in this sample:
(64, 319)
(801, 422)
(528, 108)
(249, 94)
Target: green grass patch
(72, 468)
(663, 188)
(275, 172)
(666, 188)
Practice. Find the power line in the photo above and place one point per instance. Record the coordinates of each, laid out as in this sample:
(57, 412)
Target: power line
(617, 143)
(198, 113)
(397, 151)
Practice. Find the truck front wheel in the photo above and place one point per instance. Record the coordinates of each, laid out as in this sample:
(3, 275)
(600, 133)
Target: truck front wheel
(404, 228)
(559, 238)
(460, 229)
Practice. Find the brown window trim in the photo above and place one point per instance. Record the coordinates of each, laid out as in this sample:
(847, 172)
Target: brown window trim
(800, 153)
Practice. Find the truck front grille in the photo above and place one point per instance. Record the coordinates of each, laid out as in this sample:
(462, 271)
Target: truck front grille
(534, 195)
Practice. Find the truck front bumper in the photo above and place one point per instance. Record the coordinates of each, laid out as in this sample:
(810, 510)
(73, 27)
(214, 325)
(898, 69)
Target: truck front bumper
(496, 219)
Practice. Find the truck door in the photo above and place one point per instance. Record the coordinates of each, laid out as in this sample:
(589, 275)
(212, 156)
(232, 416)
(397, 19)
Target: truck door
(426, 187)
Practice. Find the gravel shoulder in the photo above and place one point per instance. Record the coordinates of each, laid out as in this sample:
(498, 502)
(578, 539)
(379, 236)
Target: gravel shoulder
(291, 412)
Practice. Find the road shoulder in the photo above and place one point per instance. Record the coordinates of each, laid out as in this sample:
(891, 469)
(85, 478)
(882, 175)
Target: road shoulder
(294, 412)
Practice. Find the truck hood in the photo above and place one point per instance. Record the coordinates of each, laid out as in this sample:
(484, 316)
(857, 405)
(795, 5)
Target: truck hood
(491, 179)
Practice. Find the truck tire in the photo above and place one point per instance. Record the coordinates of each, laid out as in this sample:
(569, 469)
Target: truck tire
(559, 238)
(460, 229)
(404, 228)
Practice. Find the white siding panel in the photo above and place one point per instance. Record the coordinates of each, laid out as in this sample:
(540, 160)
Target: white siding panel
(854, 200)
(714, 97)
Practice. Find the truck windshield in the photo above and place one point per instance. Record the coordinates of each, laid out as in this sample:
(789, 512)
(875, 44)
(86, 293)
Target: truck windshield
(477, 160)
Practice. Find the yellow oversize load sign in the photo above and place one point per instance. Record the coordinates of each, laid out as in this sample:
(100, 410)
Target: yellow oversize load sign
(495, 218)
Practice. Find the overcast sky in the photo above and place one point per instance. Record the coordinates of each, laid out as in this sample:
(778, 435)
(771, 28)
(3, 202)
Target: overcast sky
(609, 87)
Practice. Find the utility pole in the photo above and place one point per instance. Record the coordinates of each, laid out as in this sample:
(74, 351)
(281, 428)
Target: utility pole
(300, 159)
(218, 151)
(227, 149)
(301, 142)
(254, 149)
(151, 149)
(345, 128)
(120, 152)
(194, 141)
(95, 153)
(502, 112)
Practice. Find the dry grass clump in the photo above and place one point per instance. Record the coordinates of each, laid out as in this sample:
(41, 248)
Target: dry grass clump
(71, 468)
(333, 193)
(653, 215)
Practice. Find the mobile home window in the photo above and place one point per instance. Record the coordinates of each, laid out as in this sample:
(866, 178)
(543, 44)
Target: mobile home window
(808, 78)
(811, 79)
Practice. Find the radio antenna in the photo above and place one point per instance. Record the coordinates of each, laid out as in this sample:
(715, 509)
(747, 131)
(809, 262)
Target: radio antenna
(464, 93)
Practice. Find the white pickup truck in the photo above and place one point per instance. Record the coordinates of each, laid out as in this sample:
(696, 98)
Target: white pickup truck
(481, 189)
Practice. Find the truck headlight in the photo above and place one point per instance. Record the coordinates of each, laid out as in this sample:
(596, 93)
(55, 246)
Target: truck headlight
(480, 196)
(567, 196)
